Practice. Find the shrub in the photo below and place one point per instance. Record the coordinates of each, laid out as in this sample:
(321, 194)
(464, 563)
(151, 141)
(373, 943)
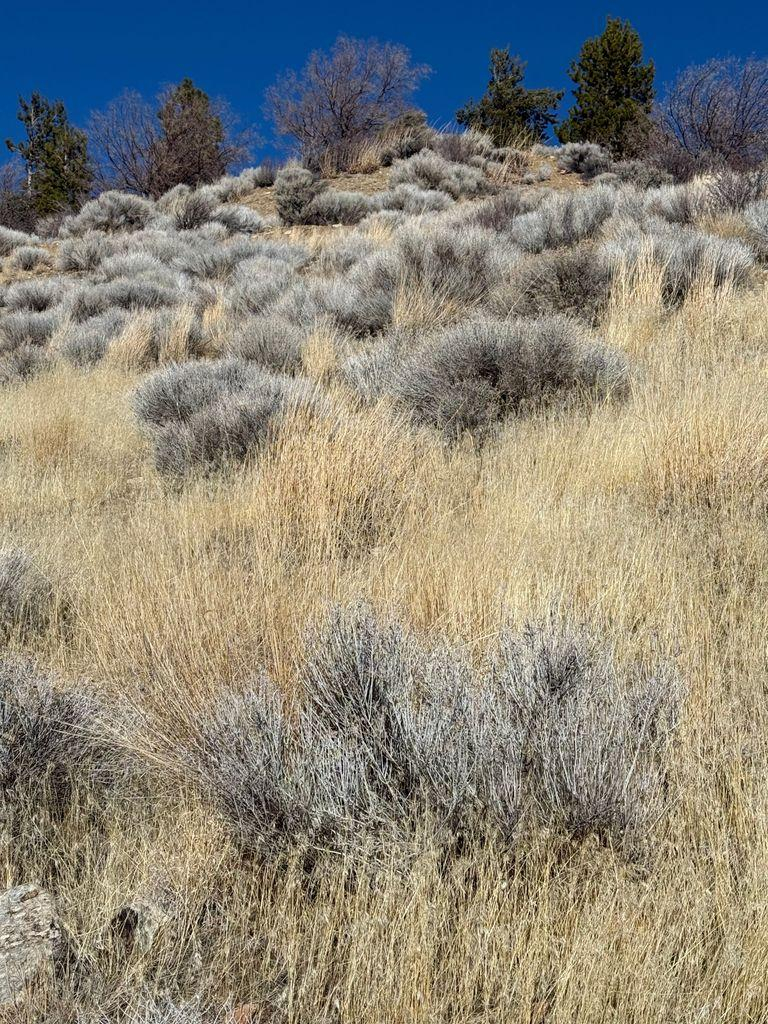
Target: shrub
(269, 342)
(584, 158)
(295, 190)
(480, 372)
(22, 364)
(427, 170)
(498, 213)
(111, 212)
(29, 257)
(679, 204)
(575, 281)
(86, 344)
(34, 296)
(395, 734)
(756, 217)
(256, 283)
(187, 208)
(732, 192)
(10, 240)
(542, 173)
(29, 603)
(345, 253)
(640, 174)
(27, 329)
(231, 430)
(687, 259)
(414, 200)
(239, 219)
(85, 253)
(332, 207)
(51, 740)
(563, 219)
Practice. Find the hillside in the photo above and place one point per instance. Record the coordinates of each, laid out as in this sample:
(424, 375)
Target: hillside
(383, 595)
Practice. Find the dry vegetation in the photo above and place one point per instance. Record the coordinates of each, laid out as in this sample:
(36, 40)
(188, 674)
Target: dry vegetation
(190, 618)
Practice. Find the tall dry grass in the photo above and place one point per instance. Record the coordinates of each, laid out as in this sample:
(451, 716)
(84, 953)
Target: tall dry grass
(647, 519)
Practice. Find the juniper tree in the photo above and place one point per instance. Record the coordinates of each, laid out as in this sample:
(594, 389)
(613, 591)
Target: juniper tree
(58, 170)
(508, 109)
(614, 91)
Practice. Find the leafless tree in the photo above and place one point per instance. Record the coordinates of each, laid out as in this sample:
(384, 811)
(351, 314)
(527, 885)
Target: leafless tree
(123, 137)
(16, 209)
(342, 96)
(147, 150)
(718, 112)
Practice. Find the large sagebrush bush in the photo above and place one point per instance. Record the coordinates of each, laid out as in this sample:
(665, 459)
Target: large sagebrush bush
(85, 344)
(111, 212)
(394, 734)
(756, 218)
(203, 416)
(239, 220)
(428, 170)
(574, 280)
(478, 373)
(27, 329)
(268, 341)
(30, 257)
(34, 296)
(84, 253)
(585, 158)
(295, 190)
(23, 364)
(187, 208)
(413, 200)
(257, 282)
(11, 239)
(563, 218)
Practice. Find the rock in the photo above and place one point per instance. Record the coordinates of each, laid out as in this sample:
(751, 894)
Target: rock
(136, 925)
(30, 937)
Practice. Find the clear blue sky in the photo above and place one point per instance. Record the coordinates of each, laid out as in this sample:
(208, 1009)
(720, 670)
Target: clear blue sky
(87, 53)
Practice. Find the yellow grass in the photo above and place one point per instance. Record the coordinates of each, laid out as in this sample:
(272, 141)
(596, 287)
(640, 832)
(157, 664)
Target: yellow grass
(647, 519)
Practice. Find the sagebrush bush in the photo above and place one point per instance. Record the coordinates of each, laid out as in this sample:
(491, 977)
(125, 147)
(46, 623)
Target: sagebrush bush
(85, 344)
(686, 258)
(296, 188)
(30, 257)
(268, 341)
(187, 208)
(756, 218)
(10, 240)
(256, 283)
(575, 280)
(52, 740)
(584, 158)
(239, 219)
(732, 192)
(29, 601)
(563, 219)
(428, 170)
(34, 296)
(110, 212)
(395, 734)
(27, 329)
(85, 253)
(332, 207)
(345, 253)
(203, 416)
(679, 204)
(478, 373)
(412, 199)
(22, 364)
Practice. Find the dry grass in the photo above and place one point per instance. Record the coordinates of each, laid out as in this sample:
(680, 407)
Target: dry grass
(647, 519)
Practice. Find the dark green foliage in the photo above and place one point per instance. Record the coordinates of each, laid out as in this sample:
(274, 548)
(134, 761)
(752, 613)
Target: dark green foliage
(59, 173)
(614, 91)
(192, 148)
(509, 110)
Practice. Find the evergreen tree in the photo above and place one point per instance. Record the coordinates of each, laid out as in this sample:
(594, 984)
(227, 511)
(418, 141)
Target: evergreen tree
(192, 147)
(614, 91)
(58, 170)
(508, 109)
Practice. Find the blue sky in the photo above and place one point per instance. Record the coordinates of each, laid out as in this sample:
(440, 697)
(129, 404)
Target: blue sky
(87, 53)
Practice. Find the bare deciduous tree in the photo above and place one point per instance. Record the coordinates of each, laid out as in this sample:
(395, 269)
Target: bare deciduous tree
(123, 137)
(189, 139)
(344, 95)
(718, 112)
(16, 208)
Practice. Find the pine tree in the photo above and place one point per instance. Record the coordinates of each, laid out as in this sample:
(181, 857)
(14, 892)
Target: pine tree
(192, 148)
(614, 91)
(59, 173)
(509, 110)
